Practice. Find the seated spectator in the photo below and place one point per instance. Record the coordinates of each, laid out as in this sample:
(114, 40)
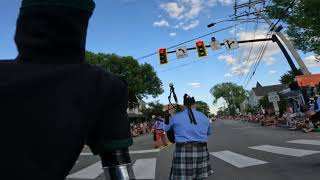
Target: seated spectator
(281, 121)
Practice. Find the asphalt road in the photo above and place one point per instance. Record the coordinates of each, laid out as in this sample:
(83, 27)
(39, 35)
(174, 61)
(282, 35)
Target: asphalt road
(239, 151)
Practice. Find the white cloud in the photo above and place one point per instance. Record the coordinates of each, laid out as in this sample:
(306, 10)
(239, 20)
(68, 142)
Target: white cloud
(195, 9)
(174, 9)
(240, 69)
(272, 71)
(226, 2)
(194, 85)
(242, 66)
(184, 9)
(222, 2)
(227, 75)
(228, 58)
(312, 62)
(162, 23)
(192, 25)
(188, 11)
(173, 34)
(272, 49)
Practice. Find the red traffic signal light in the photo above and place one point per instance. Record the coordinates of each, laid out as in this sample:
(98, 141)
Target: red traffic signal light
(201, 49)
(163, 56)
(200, 43)
(161, 50)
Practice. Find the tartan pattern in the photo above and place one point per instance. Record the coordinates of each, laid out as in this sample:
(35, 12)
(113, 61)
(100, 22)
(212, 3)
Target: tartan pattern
(191, 162)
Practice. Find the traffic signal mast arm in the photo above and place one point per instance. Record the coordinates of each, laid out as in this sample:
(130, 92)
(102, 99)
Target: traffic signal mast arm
(222, 44)
(274, 39)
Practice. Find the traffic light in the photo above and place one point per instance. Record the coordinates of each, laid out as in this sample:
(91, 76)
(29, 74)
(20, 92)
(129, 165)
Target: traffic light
(163, 56)
(201, 49)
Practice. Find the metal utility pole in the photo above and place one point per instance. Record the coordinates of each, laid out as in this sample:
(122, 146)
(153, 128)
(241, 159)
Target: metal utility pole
(285, 53)
(289, 45)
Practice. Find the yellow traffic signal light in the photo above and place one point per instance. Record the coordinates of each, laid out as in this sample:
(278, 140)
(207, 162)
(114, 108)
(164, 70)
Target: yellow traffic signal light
(201, 49)
(163, 56)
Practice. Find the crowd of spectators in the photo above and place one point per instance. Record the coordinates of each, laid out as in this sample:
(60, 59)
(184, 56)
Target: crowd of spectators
(302, 120)
(139, 128)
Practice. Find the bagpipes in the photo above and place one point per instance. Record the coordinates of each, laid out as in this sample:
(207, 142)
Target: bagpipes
(176, 107)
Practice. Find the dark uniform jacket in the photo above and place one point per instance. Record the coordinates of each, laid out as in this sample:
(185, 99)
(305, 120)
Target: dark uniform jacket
(52, 102)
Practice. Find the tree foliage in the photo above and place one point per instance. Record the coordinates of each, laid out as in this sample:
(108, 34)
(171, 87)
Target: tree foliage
(226, 91)
(202, 107)
(264, 102)
(303, 20)
(154, 108)
(141, 78)
(287, 78)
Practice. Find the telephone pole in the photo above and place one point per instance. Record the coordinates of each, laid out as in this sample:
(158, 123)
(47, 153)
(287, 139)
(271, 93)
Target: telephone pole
(252, 4)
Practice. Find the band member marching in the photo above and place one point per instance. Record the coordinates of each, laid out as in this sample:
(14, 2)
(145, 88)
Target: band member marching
(158, 127)
(191, 130)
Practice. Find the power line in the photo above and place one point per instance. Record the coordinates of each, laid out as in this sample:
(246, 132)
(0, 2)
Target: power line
(258, 63)
(262, 50)
(251, 46)
(254, 63)
(208, 34)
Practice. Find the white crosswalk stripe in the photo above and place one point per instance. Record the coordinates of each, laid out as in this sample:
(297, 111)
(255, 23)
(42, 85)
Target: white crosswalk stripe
(284, 150)
(131, 152)
(91, 172)
(145, 168)
(237, 160)
(307, 142)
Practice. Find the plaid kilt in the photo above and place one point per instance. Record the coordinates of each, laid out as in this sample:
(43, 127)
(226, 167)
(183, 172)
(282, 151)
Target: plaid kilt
(191, 162)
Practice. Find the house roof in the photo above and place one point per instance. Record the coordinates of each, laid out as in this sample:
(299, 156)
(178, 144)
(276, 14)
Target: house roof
(264, 90)
(308, 80)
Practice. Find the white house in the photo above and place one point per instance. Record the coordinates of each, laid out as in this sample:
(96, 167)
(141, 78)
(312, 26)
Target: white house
(258, 92)
(135, 111)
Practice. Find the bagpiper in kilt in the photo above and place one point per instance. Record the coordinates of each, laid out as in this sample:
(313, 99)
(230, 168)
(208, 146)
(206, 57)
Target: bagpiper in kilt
(191, 160)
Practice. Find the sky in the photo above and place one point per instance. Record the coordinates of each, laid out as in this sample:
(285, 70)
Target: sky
(140, 27)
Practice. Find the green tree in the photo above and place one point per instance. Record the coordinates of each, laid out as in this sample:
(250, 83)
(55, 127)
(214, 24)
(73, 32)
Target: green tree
(202, 107)
(154, 108)
(287, 78)
(264, 102)
(141, 78)
(303, 21)
(230, 92)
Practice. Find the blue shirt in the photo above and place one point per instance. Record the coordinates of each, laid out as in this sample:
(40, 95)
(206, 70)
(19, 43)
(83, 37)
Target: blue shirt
(312, 106)
(159, 125)
(185, 131)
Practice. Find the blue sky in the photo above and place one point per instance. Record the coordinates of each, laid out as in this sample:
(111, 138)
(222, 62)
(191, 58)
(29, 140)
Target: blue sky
(139, 27)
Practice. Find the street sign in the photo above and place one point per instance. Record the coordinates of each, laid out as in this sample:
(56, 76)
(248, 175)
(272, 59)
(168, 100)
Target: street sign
(181, 52)
(276, 106)
(231, 44)
(273, 97)
(215, 45)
